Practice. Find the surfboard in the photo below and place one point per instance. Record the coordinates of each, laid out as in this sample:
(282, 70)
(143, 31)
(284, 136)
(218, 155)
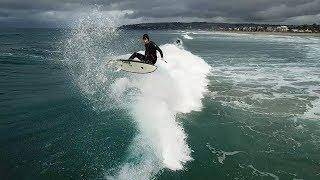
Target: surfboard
(134, 66)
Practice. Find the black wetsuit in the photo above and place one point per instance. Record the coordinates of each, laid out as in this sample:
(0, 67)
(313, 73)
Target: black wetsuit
(150, 56)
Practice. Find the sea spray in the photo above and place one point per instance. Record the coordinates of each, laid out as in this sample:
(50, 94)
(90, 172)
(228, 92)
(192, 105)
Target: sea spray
(86, 50)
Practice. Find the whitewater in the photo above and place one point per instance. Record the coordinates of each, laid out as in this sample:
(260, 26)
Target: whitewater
(176, 87)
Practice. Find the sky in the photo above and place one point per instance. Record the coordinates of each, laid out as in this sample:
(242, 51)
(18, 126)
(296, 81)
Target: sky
(61, 13)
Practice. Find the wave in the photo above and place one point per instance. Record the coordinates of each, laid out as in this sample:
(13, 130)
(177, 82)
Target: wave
(153, 100)
(176, 87)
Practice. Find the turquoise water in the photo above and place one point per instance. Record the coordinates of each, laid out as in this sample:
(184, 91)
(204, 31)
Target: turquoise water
(225, 106)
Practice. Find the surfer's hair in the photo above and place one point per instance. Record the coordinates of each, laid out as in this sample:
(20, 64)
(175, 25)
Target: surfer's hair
(145, 36)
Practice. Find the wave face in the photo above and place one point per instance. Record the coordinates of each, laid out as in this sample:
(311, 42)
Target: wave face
(153, 100)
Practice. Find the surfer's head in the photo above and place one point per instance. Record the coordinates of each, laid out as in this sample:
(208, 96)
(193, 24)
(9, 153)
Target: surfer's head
(145, 38)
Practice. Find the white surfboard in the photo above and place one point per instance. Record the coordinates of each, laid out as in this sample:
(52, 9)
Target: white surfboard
(134, 66)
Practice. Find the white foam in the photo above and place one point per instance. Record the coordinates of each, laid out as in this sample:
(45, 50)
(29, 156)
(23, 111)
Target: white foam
(187, 36)
(261, 173)
(222, 155)
(176, 87)
(259, 87)
(313, 111)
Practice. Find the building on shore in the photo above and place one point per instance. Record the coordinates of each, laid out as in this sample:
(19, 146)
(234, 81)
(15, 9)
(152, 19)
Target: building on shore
(282, 29)
(270, 29)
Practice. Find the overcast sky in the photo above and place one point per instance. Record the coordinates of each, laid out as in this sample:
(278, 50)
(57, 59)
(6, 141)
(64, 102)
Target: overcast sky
(52, 13)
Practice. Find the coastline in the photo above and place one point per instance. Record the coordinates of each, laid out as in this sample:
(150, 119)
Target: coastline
(274, 33)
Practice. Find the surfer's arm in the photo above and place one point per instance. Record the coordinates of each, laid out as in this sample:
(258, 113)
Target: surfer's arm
(158, 49)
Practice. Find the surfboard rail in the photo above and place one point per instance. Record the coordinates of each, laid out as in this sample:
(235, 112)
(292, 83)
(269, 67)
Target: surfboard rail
(134, 66)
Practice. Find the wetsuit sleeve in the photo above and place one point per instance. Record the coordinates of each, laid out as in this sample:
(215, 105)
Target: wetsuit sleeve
(158, 49)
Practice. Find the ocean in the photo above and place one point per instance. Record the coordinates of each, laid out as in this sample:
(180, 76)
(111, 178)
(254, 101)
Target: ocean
(224, 106)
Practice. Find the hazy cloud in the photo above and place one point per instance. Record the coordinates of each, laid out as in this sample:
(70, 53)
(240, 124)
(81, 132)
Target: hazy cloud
(64, 12)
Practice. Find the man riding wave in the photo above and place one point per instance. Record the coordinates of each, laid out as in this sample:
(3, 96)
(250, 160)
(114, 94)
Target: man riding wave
(151, 49)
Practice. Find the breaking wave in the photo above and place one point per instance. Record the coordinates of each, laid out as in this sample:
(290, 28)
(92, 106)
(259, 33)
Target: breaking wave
(153, 100)
(176, 87)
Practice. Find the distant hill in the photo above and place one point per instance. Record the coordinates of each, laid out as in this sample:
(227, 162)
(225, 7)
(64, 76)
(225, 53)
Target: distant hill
(222, 27)
(173, 26)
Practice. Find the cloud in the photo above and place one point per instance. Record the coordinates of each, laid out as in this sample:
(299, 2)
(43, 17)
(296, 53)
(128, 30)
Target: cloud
(308, 19)
(64, 12)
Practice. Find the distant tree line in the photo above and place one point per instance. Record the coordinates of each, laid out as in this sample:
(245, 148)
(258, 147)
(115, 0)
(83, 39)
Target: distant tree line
(314, 28)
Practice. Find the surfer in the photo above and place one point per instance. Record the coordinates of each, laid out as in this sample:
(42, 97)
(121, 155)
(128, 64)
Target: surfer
(150, 55)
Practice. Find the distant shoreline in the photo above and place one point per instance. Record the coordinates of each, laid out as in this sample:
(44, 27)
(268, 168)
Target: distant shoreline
(273, 33)
(300, 30)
